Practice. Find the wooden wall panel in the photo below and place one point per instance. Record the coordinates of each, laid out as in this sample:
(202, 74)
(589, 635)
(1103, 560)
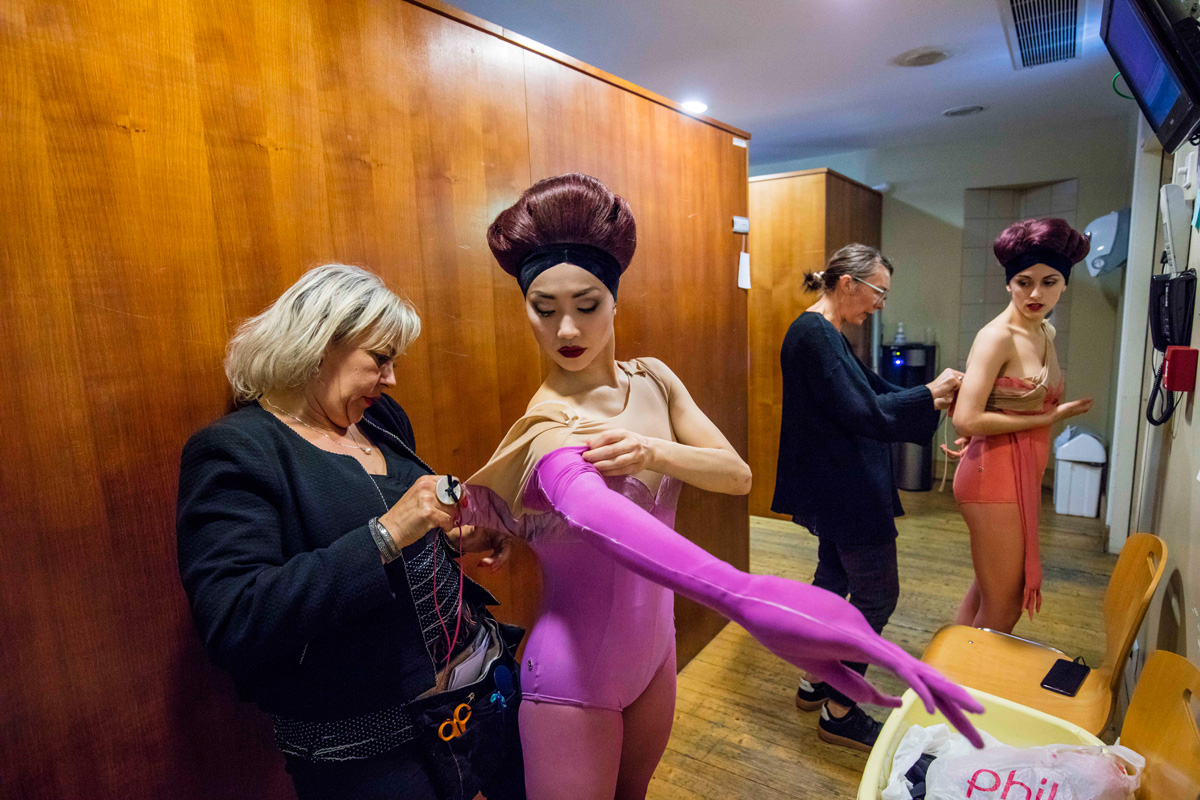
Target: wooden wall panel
(168, 167)
(853, 214)
(787, 239)
(679, 299)
(798, 220)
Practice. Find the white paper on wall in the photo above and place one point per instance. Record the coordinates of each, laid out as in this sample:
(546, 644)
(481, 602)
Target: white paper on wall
(744, 270)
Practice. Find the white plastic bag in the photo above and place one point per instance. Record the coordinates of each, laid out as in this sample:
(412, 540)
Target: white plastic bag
(1053, 772)
(937, 740)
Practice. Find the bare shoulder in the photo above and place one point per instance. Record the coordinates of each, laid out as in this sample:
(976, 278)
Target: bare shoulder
(994, 336)
(993, 344)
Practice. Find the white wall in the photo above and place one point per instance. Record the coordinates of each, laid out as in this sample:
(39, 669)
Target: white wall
(1170, 502)
(923, 230)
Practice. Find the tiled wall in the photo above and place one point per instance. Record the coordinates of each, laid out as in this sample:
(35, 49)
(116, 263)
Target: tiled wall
(988, 212)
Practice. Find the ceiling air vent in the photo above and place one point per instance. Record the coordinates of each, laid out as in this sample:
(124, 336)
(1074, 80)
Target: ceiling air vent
(962, 111)
(922, 57)
(1041, 31)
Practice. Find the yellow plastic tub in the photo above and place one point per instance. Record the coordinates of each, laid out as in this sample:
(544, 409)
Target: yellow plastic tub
(1011, 723)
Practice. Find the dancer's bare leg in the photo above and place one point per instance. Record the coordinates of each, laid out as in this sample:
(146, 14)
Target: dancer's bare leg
(570, 751)
(998, 553)
(647, 728)
(970, 606)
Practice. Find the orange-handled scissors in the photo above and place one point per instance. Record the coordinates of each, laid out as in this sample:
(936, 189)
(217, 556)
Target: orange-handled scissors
(458, 723)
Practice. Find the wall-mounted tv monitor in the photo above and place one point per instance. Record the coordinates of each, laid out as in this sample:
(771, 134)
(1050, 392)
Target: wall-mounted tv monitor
(1156, 45)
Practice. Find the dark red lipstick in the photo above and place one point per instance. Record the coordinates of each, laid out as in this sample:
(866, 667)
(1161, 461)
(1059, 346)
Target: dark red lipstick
(571, 352)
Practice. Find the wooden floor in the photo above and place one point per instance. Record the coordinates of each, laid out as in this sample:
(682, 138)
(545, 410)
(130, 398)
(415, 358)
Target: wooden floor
(737, 731)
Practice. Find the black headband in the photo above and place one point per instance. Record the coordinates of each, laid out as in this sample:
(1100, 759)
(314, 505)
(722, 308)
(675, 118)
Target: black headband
(599, 262)
(1038, 255)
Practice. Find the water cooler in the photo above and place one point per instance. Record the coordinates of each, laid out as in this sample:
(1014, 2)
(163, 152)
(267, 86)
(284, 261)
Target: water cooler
(910, 365)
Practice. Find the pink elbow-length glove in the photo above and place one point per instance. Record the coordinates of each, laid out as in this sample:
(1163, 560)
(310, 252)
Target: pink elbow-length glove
(809, 627)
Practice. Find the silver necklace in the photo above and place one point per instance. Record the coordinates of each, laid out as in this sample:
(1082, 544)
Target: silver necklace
(375, 483)
(355, 446)
(400, 442)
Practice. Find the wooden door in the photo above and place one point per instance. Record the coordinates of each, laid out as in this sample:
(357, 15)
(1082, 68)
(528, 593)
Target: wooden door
(798, 220)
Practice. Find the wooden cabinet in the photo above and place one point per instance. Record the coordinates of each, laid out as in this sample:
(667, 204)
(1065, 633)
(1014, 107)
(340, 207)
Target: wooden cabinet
(798, 219)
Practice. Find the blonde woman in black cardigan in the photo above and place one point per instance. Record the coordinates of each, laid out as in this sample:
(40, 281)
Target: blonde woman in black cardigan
(311, 542)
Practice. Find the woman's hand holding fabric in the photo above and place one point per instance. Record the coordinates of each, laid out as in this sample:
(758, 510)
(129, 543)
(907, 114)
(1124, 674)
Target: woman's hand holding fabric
(476, 539)
(943, 388)
(417, 512)
(619, 452)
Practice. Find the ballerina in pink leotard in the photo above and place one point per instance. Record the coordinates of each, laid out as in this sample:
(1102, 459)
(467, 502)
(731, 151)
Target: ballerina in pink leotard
(589, 477)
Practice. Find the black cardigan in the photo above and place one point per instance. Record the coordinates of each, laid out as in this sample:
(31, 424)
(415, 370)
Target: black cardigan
(834, 474)
(286, 585)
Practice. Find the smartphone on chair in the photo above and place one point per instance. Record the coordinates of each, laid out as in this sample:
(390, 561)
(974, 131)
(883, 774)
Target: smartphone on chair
(1065, 677)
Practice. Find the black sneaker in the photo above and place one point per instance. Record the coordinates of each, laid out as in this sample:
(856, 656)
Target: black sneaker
(856, 729)
(810, 696)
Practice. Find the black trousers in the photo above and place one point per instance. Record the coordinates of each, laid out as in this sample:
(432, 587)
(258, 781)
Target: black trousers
(408, 773)
(398, 774)
(868, 577)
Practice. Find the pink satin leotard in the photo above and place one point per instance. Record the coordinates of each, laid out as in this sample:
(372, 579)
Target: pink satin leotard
(602, 631)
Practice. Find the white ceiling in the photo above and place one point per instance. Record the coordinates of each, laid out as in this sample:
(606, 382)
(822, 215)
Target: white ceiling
(810, 78)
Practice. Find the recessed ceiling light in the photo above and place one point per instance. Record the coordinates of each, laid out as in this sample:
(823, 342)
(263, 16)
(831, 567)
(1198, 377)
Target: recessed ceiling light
(962, 111)
(922, 57)
(694, 106)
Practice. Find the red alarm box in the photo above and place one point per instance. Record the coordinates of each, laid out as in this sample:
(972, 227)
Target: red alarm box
(1179, 369)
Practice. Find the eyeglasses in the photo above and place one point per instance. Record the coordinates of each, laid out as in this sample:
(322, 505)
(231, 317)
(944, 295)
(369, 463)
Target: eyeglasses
(883, 293)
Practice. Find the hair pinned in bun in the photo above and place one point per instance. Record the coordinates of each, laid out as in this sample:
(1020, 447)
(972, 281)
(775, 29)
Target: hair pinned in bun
(566, 209)
(856, 260)
(1052, 234)
(1050, 241)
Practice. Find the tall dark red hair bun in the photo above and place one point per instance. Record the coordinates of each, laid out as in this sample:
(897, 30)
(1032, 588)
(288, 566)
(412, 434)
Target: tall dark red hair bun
(1051, 234)
(1050, 241)
(566, 209)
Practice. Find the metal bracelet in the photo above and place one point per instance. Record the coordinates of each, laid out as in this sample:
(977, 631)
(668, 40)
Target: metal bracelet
(383, 540)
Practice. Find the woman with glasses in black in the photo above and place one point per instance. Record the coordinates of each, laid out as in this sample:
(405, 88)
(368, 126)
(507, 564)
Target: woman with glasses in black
(834, 474)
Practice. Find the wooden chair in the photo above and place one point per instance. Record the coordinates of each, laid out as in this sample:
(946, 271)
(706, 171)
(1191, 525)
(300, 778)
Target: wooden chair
(1013, 668)
(1161, 726)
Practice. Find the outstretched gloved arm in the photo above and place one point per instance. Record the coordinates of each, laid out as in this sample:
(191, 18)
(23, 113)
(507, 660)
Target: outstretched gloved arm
(809, 627)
